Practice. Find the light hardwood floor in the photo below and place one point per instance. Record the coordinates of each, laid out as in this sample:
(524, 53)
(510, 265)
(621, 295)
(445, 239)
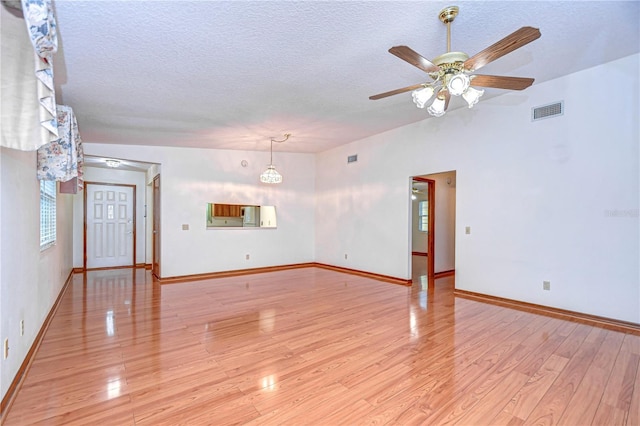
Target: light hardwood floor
(317, 347)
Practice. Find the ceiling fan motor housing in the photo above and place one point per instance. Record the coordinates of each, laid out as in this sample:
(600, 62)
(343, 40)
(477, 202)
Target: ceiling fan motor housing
(450, 63)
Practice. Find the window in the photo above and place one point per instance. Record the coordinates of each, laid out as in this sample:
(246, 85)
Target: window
(423, 216)
(47, 213)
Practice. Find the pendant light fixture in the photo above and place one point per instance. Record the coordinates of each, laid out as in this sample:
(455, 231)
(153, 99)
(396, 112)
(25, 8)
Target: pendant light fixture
(271, 175)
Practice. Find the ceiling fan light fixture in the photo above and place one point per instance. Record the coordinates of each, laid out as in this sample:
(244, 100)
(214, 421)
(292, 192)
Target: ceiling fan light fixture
(437, 108)
(453, 71)
(421, 96)
(472, 96)
(458, 84)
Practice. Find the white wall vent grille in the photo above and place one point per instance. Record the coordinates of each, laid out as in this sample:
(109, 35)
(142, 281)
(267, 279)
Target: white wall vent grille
(547, 111)
(352, 158)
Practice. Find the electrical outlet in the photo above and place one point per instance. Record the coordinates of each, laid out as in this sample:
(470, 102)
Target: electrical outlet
(5, 349)
(345, 256)
(546, 285)
(467, 229)
(247, 256)
(22, 327)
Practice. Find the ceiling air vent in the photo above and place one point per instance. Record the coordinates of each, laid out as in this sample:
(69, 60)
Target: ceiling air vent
(547, 111)
(352, 158)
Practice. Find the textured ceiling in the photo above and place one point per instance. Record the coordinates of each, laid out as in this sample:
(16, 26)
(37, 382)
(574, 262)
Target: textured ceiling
(232, 74)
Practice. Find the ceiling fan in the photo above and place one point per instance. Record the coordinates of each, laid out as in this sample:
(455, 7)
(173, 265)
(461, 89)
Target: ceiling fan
(453, 72)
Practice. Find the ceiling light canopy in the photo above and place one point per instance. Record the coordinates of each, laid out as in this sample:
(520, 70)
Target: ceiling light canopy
(271, 175)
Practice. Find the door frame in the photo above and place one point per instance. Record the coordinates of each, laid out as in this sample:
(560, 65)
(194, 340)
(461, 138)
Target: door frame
(155, 229)
(431, 238)
(84, 226)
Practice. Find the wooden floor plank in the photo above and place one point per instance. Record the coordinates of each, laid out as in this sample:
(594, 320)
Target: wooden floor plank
(621, 384)
(634, 408)
(554, 402)
(491, 404)
(316, 347)
(526, 399)
(588, 394)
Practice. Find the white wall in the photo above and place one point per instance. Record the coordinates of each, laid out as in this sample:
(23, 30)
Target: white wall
(101, 175)
(191, 178)
(30, 280)
(543, 199)
(363, 207)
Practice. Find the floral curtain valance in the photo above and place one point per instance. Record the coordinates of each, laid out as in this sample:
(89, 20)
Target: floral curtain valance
(63, 158)
(41, 25)
(28, 111)
(38, 14)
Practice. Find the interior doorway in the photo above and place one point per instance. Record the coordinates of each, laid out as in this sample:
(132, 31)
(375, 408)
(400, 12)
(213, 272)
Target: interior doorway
(423, 230)
(432, 227)
(155, 263)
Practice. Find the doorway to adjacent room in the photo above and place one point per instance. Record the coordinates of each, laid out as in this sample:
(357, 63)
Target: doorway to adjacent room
(433, 226)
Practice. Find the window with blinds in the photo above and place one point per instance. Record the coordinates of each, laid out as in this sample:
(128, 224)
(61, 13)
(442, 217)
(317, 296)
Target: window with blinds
(47, 213)
(423, 216)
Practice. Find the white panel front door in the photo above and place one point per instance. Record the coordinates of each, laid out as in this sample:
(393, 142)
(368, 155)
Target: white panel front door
(109, 226)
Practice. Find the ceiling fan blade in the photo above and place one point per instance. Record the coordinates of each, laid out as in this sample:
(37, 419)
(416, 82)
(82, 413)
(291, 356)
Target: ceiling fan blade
(395, 92)
(500, 82)
(497, 50)
(409, 55)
